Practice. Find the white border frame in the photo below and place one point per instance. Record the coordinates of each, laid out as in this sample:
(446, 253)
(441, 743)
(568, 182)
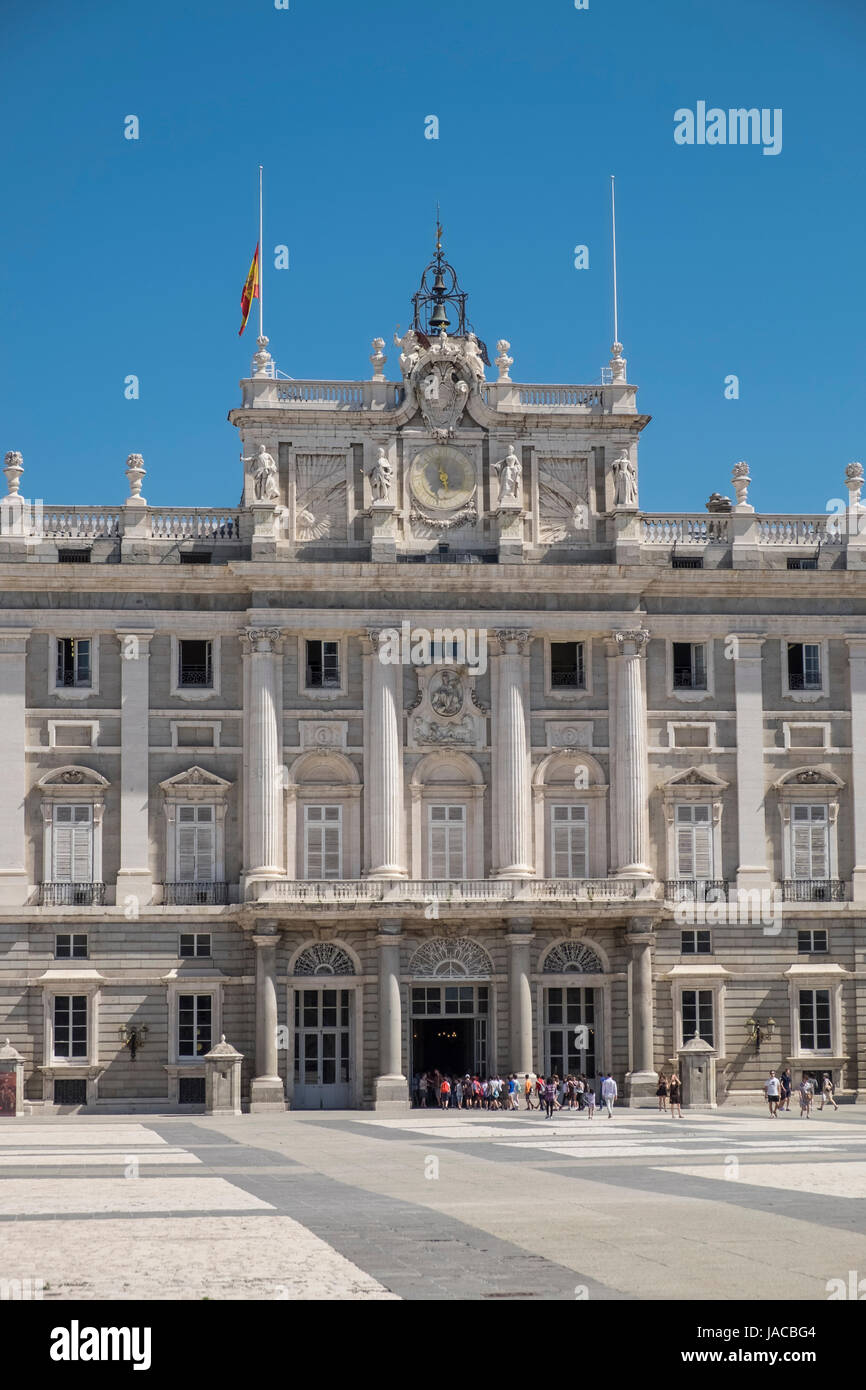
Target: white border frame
(54, 724)
(578, 693)
(690, 697)
(805, 697)
(195, 693)
(330, 692)
(73, 692)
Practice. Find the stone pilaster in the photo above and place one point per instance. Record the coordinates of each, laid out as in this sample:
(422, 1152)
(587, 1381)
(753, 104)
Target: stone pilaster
(263, 792)
(384, 774)
(857, 675)
(511, 767)
(390, 1089)
(520, 998)
(752, 871)
(631, 822)
(641, 1081)
(266, 1089)
(13, 704)
(134, 874)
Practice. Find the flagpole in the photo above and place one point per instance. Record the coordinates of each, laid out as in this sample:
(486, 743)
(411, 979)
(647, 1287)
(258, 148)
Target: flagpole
(613, 230)
(261, 257)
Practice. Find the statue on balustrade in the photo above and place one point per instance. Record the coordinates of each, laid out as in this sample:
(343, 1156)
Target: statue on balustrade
(509, 473)
(625, 480)
(381, 477)
(264, 472)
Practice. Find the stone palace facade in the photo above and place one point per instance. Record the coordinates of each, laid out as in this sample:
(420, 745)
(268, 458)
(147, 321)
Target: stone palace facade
(434, 751)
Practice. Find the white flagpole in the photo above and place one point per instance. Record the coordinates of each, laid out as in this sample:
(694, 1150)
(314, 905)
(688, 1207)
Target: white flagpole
(613, 229)
(261, 258)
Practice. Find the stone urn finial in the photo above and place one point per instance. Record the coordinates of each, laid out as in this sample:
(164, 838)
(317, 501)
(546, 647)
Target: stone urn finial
(135, 471)
(503, 361)
(854, 484)
(378, 359)
(617, 363)
(263, 363)
(13, 467)
(741, 479)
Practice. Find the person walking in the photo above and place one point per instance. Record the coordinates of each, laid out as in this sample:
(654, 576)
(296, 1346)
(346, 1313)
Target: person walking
(772, 1090)
(527, 1091)
(589, 1099)
(827, 1092)
(609, 1094)
(550, 1096)
(444, 1093)
(539, 1091)
(662, 1092)
(805, 1091)
(422, 1091)
(675, 1095)
(580, 1091)
(787, 1083)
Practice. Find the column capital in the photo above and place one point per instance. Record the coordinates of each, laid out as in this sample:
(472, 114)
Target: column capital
(513, 641)
(520, 938)
(631, 641)
(746, 646)
(389, 931)
(267, 640)
(640, 936)
(13, 641)
(270, 936)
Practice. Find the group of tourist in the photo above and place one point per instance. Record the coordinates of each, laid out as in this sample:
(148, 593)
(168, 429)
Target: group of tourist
(434, 1090)
(670, 1089)
(779, 1089)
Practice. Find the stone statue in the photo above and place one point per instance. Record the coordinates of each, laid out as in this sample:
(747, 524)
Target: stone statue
(474, 360)
(409, 350)
(381, 477)
(509, 472)
(264, 472)
(625, 479)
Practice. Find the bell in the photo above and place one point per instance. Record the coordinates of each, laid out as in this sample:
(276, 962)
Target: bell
(439, 318)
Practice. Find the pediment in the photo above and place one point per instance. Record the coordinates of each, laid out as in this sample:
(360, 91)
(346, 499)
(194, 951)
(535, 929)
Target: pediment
(694, 777)
(809, 778)
(195, 778)
(72, 778)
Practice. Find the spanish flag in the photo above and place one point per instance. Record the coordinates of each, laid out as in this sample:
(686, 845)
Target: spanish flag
(250, 290)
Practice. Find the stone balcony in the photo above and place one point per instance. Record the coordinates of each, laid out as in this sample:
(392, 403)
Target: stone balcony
(276, 392)
(432, 894)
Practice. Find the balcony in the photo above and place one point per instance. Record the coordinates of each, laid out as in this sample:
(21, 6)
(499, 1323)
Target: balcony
(195, 894)
(351, 893)
(72, 894)
(814, 890)
(696, 890)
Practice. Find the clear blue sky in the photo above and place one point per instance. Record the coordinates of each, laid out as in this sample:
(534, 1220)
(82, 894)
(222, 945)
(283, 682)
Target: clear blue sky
(129, 257)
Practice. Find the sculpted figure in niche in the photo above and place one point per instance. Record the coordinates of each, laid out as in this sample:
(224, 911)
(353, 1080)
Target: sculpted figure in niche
(625, 480)
(381, 477)
(264, 472)
(509, 473)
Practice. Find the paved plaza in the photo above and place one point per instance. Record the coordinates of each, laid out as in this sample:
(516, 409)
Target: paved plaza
(435, 1205)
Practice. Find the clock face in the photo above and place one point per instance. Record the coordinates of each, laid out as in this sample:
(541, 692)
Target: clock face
(442, 478)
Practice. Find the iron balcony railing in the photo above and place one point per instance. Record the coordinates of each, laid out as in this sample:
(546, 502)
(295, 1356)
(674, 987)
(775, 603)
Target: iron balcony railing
(697, 890)
(208, 894)
(813, 890)
(72, 894)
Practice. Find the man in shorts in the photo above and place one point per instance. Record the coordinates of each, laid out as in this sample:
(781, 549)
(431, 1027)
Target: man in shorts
(773, 1090)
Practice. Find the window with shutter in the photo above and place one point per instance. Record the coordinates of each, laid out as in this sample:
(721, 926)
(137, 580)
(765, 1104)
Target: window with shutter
(809, 842)
(446, 826)
(694, 841)
(72, 844)
(569, 841)
(323, 841)
(195, 844)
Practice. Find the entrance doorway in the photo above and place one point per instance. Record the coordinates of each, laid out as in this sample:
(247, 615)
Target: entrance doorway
(449, 1029)
(323, 1049)
(571, 1041)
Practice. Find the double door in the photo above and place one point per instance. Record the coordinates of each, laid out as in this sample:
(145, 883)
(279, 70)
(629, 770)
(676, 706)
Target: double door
(323, 1049)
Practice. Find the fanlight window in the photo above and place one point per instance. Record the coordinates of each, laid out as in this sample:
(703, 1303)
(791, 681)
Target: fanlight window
(572, 958)
(324, 959)
(460, 959)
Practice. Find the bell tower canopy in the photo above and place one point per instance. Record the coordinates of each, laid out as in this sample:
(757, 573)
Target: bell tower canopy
(439, 293)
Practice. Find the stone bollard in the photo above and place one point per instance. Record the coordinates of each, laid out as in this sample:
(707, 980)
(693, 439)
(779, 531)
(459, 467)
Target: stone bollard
(223, 1079)
(11, 1082)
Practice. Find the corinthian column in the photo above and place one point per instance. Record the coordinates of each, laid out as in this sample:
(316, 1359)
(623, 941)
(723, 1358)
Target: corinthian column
(384, 776)
(631, 825)
(390, 1089)
(511, 776)
(262, 745)
(642, 1080)
(266, 1088)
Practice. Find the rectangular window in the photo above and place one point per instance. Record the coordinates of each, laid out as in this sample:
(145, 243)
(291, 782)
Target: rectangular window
(698, 1015)
(446, 828)
(193, 944)
(323, 665)
(810, 842)
(194, 1024)
(427, 999)
(812, 942)
(690, 665)
(804, 666)
(694, 841)
(696, 943)
(73, 661)
(815, 1020)
(567, 666)
(569, 841)
(72, 844)
(70, 1025)
(195, 844)
(323, 842)
(70, 946)
(194, 663)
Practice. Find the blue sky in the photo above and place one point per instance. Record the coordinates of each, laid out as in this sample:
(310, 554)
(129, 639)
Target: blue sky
(127, 257)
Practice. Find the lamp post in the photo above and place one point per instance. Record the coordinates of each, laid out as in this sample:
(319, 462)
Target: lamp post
(133, 1038)
(758, 1032)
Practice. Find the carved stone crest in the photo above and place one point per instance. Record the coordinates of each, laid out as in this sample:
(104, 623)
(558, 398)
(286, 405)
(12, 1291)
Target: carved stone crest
(445, 714)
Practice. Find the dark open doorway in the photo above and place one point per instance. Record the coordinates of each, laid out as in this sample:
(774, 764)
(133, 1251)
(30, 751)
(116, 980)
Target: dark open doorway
(445, 1044)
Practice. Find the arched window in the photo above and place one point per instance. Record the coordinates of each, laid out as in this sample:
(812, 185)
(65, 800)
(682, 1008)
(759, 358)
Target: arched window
(572, 958)
(457, 959)
(324, 958)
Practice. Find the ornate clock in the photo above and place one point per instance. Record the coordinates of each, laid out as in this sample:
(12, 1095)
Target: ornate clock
(442, 478)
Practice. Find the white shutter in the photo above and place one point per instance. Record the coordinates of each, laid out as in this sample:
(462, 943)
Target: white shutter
(331, 851)
(694, 842)
(72, 845)
(569, 841)
(446, 841)
(323, 847)
(809, 842)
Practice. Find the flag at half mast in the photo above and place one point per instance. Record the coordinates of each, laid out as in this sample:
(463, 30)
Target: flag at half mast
(250, 290)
